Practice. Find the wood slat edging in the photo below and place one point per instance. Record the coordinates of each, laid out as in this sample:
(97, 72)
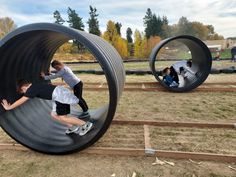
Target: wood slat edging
(141, 152)
(174, 124)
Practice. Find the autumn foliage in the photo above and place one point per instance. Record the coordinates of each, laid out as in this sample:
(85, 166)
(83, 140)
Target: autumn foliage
(144, 46)
(111, 35)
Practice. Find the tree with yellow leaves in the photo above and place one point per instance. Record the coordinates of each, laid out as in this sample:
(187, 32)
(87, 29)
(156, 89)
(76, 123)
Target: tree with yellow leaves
(144, 46)
(6, 26)
(111, 35)
(151, 43)
(137, 44)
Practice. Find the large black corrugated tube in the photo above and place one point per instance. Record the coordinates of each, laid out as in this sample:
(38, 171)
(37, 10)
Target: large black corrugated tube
(24, 53)
(201, 61)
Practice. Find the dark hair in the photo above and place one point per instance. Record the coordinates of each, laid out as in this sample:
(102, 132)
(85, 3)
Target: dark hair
(20, 83)
(165, 70)
(189, 63)
(181, 69)
(55, 63)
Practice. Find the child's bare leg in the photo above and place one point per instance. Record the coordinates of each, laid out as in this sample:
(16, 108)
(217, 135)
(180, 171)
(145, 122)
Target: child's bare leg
(69, 120)
(58, 119)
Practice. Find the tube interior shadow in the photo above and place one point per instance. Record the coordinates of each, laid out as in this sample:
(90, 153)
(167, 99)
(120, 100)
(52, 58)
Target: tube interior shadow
(186, 77)
(24, 53)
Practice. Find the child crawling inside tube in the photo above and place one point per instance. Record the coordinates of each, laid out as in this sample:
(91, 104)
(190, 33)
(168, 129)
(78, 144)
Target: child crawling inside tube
(61, 98)
(168, 79)
(64, 72)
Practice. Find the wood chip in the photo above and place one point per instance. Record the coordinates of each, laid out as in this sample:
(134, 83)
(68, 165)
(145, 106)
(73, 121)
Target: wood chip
(198, 163)
(158, 162)
(169, 163)
(232, 168)
(134, 174)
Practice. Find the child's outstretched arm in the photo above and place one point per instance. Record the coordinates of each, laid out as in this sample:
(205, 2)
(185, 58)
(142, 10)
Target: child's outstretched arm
(7, 106)
(52, 76)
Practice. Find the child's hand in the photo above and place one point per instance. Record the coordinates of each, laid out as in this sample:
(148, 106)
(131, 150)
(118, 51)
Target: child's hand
(6, 105)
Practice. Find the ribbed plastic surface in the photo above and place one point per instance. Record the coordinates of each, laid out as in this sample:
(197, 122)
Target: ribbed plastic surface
(201, 61)
(24, 53)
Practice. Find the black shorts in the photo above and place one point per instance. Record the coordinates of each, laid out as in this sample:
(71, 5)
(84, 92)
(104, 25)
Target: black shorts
(62, 109)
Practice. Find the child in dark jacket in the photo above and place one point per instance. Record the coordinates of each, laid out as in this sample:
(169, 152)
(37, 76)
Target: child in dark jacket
(168, 79)
(61, 98)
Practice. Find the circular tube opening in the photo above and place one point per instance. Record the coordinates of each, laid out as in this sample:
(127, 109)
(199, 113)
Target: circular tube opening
(181, 63)
(27, 51)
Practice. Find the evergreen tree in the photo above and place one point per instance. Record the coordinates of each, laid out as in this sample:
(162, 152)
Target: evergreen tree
(118, 28)
(147, 20)
(156, 25)
(165, 20)
(129, 33)
(58, 18)
(93, 22)
(165, 28)
(153, 24)
(74, 20)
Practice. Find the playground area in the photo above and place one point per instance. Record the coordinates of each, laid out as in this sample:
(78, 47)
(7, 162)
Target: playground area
(140, 103)
(117, 89)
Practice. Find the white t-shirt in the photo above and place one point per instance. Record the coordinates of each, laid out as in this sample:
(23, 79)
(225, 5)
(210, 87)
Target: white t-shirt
(183, 64)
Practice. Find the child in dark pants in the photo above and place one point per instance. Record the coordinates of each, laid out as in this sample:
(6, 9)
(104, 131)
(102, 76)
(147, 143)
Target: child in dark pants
(72, 80)
(61, 98)
(168, 79)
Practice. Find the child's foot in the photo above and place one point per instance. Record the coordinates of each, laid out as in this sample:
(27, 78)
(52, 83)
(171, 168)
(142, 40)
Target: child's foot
(85, 128)
(84, 115)
(72, 129)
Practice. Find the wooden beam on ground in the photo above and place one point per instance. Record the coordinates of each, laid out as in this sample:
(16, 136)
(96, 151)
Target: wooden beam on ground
(174, 124)
(147, 144)
(162, 154)
(141, 152)
(215, 89)
(114, 151)
(12, 146)
(196, 156)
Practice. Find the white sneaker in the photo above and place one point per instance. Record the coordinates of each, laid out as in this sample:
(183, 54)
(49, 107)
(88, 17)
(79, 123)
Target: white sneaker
(72, 129)
(85, 128)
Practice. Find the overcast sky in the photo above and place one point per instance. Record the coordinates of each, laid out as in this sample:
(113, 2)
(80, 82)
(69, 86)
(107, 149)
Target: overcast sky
(219, 13)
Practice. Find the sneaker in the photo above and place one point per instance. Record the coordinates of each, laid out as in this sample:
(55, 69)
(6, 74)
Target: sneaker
(72, 129)
(85, 128)
(84, 115)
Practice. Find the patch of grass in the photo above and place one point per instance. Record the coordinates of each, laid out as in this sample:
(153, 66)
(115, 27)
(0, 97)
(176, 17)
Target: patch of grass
(221, 141)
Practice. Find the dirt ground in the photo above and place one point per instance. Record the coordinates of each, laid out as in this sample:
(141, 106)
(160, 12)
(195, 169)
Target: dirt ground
(24, 164)
(162, 106)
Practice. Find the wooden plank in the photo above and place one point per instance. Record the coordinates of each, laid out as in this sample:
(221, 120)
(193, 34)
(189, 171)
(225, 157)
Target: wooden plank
(141, 152)
(147, 144)
(114, 151)
(196, 156)
(12, 146)
(162, 154)
(174, 124)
